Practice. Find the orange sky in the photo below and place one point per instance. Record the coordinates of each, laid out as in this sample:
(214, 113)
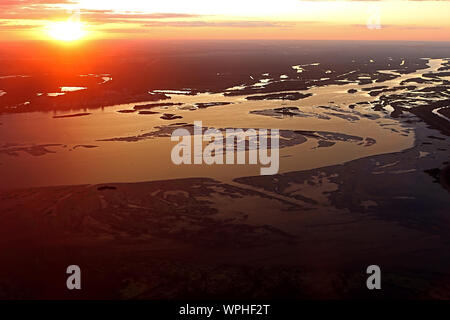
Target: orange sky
(231, 19)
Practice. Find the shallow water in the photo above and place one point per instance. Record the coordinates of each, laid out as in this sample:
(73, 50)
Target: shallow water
(76, 156)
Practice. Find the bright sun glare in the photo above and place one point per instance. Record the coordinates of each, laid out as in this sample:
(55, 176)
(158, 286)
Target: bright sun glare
(66, 30)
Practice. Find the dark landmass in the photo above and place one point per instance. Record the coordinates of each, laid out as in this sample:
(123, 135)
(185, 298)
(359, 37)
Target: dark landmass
(283, 112)
(211, 104)
(148, 112)
(103, 188)
(171, 66)
(325, 144)
(170, 116)
(173, 239)
(73, 115)
(419, 80)
(155, 105)
(281, 96)
(11, 149)
(436, 74)
(374, 88)
(87, 146)
(288, 137)
(445, 111)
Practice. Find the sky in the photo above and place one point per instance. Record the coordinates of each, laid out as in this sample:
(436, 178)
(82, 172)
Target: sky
(230, 19)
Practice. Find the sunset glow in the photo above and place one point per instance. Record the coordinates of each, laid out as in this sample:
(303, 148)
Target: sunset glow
(198, 19)
(66, 30)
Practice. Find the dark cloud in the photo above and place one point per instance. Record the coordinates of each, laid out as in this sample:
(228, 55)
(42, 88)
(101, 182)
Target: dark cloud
(49, 10)
(113, 17)
(13, 27)
(211, 24)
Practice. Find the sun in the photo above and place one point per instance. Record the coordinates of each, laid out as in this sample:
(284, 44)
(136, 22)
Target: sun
(66, 30)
